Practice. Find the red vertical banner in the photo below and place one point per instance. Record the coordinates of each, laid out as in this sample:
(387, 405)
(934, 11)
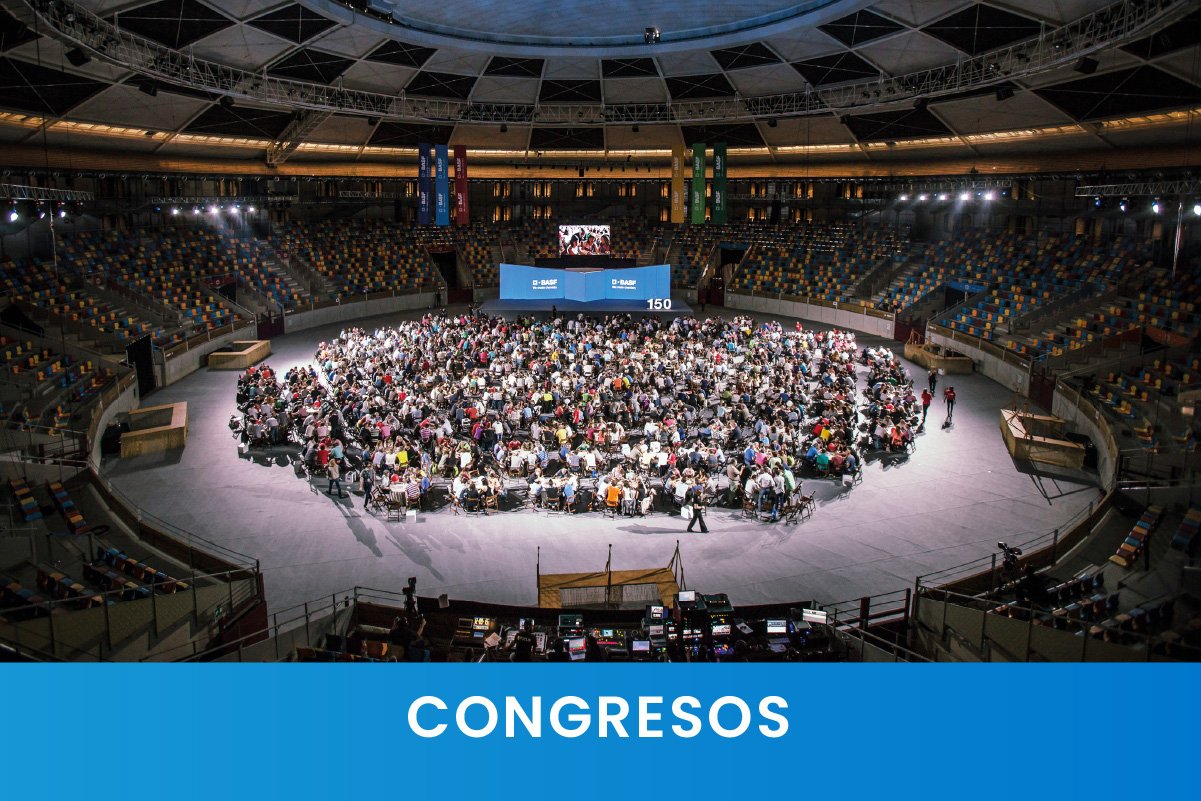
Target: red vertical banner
(461, 184)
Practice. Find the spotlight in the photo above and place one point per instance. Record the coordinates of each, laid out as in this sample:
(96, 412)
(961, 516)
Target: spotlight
(77, 57)
(251, 209)
(195, 210)
(651, 36)
(174, 210)
(237, 207)
(966, 196)
(62, 213)
(943, 196)
(1122, 205)
(212, 209)
(904, 197)
(1197, 209)
(1086, 65)
(921, 198)
(988, 195)
(1097, 202)
(1155, 207)
(13, 216)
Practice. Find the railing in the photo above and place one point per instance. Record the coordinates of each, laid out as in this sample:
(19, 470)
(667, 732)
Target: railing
(363, 297)
(1040, 550)
(870, 610)
(207, 336)
(969, 620)
(116, 620)
(871, 647)
(188, 548)
(1090, 413)
(1003, 354)
(853, 306)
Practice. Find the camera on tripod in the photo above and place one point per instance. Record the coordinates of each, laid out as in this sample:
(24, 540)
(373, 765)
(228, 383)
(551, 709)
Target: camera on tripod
(410, 593)
(1009, 555)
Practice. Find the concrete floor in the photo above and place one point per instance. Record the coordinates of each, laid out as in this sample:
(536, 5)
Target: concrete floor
(946, 504)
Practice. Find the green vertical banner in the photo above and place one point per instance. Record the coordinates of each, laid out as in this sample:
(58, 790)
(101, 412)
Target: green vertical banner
(698, 183)
(719, 183)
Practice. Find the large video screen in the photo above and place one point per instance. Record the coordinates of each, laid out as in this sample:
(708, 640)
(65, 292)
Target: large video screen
(583, 240)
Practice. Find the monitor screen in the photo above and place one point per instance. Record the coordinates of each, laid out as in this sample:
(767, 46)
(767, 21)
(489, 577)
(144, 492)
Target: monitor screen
(656, 631)
(640, 646)
(575, 647)
(570, 621)
(777, 627)
(721, 630)
(583, 240)
(480, 623)
(656, 612)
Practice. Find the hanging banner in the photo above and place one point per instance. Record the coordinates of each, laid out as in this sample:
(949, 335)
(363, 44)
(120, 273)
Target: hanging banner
(719, 183)
(698, 183)
(460, 184)
(423, 184)
(441, 186)
(678, 200)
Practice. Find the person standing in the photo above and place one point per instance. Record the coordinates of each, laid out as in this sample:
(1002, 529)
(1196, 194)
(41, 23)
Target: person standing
(335, 478)
(927, 396)
(368, 476)
(948, 397)
(698, 510)
(932, 376)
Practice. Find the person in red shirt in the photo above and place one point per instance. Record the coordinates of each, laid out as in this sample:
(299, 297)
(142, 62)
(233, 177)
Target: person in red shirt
(948, 397)
(926, 398)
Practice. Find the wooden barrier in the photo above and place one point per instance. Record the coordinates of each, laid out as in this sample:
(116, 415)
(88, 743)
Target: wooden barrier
(936, 357)
(240, 355)
(1039, 439)
(157, 428)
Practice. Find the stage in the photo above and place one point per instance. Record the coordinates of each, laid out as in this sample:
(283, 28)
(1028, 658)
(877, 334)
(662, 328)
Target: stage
(517, 307)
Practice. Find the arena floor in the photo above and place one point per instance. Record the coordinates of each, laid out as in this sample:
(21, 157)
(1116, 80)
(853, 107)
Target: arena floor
(946, 504)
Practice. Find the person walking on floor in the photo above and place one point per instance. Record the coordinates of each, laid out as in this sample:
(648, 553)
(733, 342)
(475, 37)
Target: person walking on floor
(927, 396)
(948, 396)
(698, 510)
(335, 478)
(933, 378)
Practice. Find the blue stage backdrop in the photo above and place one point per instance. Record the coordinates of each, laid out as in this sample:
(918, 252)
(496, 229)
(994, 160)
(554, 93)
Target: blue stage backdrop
(518, 282)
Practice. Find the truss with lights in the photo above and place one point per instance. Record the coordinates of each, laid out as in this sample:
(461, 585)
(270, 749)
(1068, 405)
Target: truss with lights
(39, 193)
(1142, 189)
(1115, 24)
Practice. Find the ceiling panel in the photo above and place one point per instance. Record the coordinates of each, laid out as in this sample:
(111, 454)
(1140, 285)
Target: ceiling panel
(635, 90)
(126, 105)
(505, 90)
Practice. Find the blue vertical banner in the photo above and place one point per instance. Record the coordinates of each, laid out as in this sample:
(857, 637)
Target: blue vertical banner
(441, 186)
(423, 184)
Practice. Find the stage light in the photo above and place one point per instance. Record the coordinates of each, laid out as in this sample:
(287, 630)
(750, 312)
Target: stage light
(921, 197)
(195, 210)
(1122, 205)
(212, 209)
(251, 209)
(943, 196)
(237, 207)
(13, 216)
(1197, 209)
(1097, 202)
(966, 196)
(1155, 207)
(62, 213)
(174, 210)
(904, 197)
(988, 196)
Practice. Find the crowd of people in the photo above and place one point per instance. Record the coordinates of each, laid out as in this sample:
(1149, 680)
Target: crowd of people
(618, 414)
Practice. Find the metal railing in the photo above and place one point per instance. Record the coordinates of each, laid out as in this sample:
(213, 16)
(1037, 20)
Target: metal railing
(975, 625)
(1052, 48)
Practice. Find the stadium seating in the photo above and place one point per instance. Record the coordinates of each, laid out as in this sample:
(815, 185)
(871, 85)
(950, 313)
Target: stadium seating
(360, 256)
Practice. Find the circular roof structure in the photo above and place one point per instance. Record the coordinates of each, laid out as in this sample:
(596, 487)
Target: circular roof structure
(845, 80)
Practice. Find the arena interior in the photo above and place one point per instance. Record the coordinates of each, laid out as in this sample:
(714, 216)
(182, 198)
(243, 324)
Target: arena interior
(858, 330)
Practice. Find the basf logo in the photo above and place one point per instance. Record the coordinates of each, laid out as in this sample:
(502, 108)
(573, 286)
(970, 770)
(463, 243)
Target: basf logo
(545, 284)
(625, 283)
